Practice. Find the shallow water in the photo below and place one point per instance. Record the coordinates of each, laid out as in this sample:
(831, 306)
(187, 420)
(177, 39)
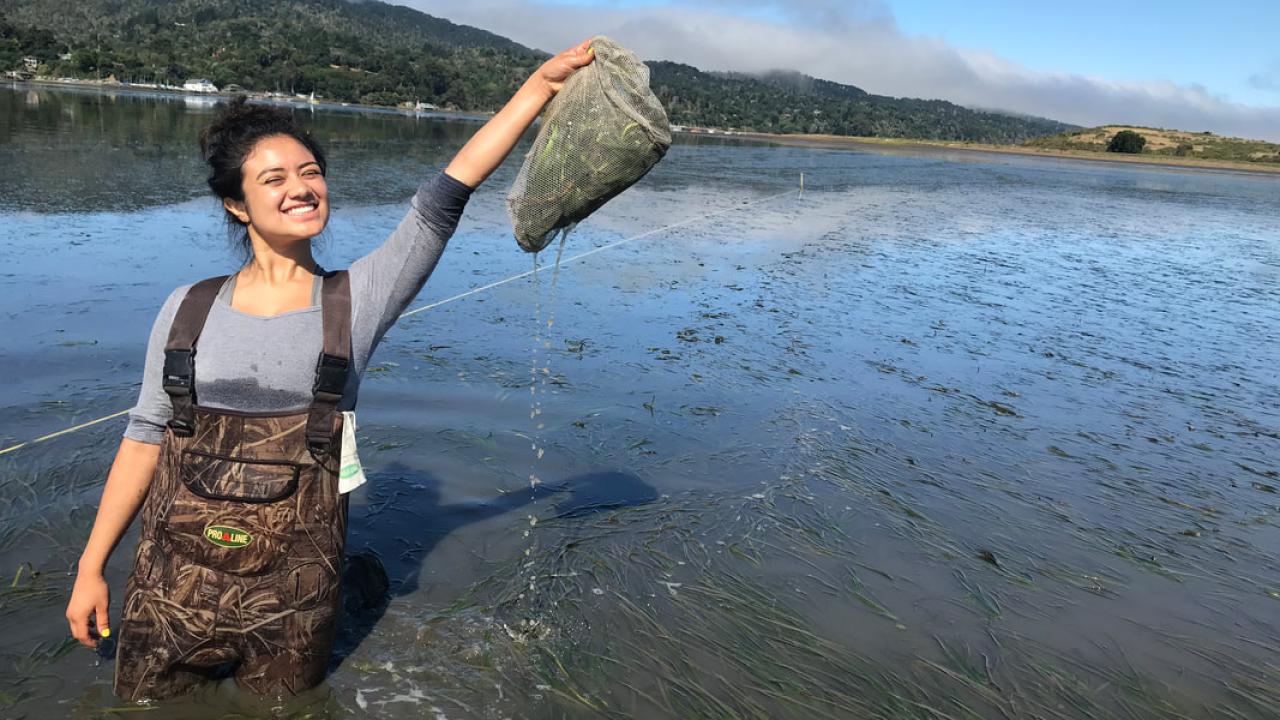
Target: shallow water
(948, 435)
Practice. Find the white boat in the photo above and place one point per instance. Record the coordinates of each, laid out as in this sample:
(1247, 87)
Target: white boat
(199, 85)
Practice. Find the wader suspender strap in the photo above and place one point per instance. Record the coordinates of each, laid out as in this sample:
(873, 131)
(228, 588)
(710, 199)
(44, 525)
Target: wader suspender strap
(333, 364)
(331, 367)
(180, 352)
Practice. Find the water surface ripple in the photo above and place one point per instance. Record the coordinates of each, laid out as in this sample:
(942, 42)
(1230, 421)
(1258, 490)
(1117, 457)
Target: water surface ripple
(949, 435)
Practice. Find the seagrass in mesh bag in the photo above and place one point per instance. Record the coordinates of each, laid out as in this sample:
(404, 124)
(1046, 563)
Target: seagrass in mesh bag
(600, 134)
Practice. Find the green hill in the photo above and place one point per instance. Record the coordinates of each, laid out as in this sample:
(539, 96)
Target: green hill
(367, 52)
(1165, 143)
(375, 53)
(794, 103)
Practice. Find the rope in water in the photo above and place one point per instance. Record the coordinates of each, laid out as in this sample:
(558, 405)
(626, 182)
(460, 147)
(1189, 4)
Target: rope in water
(459, 296)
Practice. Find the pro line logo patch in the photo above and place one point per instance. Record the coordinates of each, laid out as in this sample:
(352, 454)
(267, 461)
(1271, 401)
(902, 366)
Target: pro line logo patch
(227, 537)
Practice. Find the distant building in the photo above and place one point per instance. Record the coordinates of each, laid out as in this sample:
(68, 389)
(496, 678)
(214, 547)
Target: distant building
(199, 85)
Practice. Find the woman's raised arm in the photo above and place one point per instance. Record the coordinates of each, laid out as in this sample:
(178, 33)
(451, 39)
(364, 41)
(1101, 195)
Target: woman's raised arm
(384, 281)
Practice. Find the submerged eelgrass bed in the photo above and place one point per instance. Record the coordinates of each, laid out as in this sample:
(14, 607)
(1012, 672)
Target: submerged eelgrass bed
(715, 607)
(46, 507)
(769, 604)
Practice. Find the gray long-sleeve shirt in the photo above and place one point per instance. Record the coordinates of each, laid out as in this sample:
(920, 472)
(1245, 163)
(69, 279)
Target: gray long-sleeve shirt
(267, 364)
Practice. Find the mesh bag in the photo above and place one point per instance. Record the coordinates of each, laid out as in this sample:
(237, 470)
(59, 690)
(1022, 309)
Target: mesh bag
(600, 134)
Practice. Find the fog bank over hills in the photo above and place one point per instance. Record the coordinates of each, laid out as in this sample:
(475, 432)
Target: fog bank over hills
(859, 43)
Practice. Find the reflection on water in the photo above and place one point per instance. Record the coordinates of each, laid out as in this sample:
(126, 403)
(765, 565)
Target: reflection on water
(943, 437)
(83, 151)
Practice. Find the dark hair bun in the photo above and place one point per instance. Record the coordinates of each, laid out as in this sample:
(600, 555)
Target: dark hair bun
(238, 125)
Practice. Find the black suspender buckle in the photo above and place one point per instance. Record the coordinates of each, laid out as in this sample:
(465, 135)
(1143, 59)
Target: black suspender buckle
(179, 383)
(331, 378)
(179, 370)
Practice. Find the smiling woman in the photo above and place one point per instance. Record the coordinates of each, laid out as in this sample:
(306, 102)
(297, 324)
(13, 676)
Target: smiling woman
(267, 148)
(235, 449)
(270, 175)
(287, 197)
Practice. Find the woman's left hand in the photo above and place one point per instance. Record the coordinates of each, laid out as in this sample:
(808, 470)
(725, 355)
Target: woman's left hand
(555, 71)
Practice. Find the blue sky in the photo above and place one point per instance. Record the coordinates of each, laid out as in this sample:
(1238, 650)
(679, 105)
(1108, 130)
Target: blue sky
(1175, 63)
(1218, 45)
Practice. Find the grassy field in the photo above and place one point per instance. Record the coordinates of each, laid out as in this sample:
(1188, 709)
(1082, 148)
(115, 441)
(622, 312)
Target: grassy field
(1166, 143)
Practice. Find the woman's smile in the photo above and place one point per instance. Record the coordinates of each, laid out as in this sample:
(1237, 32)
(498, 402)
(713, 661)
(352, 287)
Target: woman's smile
(282, 173)
(302, 211)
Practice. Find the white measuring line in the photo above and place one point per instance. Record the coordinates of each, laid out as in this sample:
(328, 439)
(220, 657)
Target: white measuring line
(448, 300)
(579, 256)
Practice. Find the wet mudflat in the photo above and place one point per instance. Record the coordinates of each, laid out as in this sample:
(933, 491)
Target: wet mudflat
(942, 437)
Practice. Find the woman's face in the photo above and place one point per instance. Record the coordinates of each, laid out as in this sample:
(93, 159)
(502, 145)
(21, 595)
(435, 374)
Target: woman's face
(285, 195)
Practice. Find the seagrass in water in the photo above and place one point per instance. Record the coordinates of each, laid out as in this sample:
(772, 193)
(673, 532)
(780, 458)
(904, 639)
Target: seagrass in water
(602, 132)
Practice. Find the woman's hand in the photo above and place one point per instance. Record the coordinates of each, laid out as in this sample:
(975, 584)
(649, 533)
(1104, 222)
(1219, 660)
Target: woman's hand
(555, 71)
(126, 488)
(90, 596)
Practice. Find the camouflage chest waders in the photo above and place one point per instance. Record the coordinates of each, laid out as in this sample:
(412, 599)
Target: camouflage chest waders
(240, 556)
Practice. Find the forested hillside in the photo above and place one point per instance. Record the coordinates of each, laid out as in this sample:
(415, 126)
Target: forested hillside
(375, 53)
(367, 52)
(791, 102)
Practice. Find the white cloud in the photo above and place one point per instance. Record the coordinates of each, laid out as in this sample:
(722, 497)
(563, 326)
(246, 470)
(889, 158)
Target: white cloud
(858, 43)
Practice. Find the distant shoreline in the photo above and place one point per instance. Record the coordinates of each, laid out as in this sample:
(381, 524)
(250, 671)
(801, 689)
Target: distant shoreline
(833, 141)
(798, 139)
(290, 101)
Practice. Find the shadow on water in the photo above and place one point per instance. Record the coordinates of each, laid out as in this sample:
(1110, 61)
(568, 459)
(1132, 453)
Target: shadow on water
(369, 586)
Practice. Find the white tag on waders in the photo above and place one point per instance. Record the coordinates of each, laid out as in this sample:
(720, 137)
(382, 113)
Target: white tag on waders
(350, 472)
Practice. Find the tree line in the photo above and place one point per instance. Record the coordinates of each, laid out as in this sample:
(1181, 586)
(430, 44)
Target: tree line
(379, 54)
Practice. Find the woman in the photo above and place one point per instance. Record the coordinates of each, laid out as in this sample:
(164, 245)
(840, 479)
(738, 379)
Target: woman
(234, 443)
